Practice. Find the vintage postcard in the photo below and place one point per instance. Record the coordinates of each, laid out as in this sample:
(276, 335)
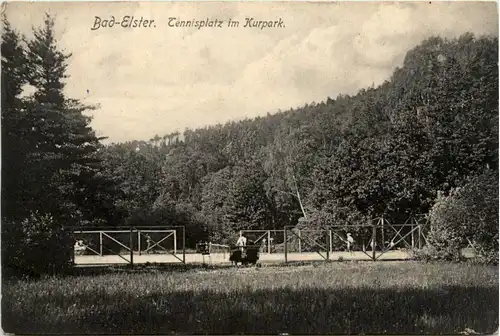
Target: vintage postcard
(273, 168)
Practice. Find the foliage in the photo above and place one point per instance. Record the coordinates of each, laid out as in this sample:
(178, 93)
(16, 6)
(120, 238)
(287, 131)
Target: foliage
(385, 151)
(45, 248)
(54, 169)
(468, 215)
(65, 146)
(215, 205)
(443, 244)
(249, 207)
(15, 124)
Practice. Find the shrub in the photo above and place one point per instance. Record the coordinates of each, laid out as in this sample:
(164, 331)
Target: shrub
(444, 244)
(467, 215)
(35, 246)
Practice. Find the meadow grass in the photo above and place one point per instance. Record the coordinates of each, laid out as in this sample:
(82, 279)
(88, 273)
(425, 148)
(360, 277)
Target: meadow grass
(334, 298)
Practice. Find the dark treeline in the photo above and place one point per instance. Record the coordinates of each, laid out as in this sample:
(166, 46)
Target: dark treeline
(386, 151)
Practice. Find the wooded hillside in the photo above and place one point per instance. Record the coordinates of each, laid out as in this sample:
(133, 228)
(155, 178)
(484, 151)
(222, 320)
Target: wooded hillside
(385, 151)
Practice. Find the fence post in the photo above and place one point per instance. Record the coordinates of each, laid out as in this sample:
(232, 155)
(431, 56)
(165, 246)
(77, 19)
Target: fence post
(269, 241)
(419, 235)
(374, 241)
(286, 245)
(184, 245)
(300, 241)
(100, 243)
(175, 241)
(383, 235)
(131, 246)
(412, 227)
(330, 240)
(328, 247)
(139, 241)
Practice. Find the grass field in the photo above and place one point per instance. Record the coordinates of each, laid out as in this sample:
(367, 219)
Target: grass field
(341, 298)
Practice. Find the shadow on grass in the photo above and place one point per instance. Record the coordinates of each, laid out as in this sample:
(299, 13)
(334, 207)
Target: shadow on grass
(147, 268)
(142, 268)
(448, 310)
(178, 267)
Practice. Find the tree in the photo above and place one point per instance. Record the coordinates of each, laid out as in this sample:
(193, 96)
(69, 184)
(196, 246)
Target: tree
(53, 153)
(250, 207)
(215, 205)
(16, 126)
(15, 134)
(13, 66)
(431, 126)
(64, 157)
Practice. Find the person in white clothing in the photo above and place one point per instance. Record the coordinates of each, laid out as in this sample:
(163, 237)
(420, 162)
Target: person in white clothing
(350, 242)
(242, 241)
(80, 247)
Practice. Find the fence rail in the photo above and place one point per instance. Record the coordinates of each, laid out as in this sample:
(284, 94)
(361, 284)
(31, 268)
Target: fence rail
(373, 240)
(113, 242)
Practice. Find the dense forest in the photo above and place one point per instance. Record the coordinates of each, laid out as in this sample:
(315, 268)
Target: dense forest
(386, 151)
(390, 151)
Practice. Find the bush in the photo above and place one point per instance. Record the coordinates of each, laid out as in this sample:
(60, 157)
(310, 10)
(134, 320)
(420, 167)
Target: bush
(467, 215)
(35, 246)
(444, 244)
(487, 256)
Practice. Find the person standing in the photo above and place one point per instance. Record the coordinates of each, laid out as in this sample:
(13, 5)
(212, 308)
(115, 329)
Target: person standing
(148, 243)
(242, 241)
(350, 242)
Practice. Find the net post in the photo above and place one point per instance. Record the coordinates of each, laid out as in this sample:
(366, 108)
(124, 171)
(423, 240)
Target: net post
(100, 243)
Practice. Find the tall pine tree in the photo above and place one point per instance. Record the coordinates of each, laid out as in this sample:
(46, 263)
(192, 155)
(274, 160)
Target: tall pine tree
(53, 171)
(16, 126)
(65, 158)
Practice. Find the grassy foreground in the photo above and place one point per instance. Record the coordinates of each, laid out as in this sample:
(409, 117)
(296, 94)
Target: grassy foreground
(341, 298)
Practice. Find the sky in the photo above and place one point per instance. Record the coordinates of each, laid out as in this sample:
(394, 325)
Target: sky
(162, 79)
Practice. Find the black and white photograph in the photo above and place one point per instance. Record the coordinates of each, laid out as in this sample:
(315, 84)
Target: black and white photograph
(250, 168)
